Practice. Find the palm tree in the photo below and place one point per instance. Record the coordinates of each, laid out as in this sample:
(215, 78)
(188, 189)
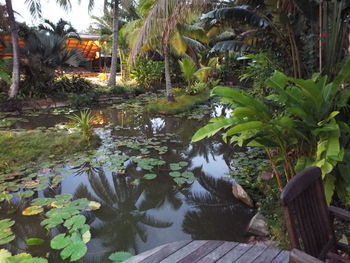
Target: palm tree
(120, 215)
(15, 47)
(162, 21)
(62, 28)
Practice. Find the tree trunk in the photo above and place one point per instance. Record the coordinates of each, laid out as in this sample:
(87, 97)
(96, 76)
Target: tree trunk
(113, 71)
(15, 50)
(169, 89)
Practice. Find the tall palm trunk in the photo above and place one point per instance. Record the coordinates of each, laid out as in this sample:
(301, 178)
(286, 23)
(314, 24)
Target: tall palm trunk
(168, 87)
(15, 47)
(113, 71)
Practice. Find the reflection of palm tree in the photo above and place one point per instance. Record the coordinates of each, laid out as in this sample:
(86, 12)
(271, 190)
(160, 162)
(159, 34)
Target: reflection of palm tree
(218, 214)
(121, 219)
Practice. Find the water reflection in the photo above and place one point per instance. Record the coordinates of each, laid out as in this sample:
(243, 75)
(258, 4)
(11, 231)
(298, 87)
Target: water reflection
(218, 215)
(120, 219)
(139, 215)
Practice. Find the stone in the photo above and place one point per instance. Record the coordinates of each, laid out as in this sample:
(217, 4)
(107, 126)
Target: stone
(258, 226)
(241, 194)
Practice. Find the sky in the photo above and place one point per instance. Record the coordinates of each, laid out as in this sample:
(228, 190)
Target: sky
(78, 16)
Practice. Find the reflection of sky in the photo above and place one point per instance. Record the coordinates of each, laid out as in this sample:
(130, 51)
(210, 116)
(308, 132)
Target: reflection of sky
(215, 167)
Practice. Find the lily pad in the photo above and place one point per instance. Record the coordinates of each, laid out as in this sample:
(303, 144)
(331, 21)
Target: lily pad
(32, 210)
(120, 256)
(6, 234)
(33, 241)
(175, 174)
(149, 176)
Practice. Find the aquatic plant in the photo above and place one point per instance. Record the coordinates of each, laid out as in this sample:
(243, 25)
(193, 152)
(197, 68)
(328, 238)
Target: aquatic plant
(84, 123)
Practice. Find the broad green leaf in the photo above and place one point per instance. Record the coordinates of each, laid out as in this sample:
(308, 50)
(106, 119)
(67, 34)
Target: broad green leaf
(32, 210)
(4, 255)
(329, 187)
(149, 176)
(86, 237)
(120, 256)
(175, 174)
(33, 241)
(74, 250)
(75, 222)
(60, 241)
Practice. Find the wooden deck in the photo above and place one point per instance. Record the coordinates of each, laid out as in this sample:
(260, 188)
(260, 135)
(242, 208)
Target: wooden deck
(203, 251)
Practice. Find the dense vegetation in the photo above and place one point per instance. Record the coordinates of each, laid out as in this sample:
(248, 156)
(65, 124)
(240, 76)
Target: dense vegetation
(281, 67)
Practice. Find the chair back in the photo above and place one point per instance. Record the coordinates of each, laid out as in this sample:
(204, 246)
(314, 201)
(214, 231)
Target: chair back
(306, 213)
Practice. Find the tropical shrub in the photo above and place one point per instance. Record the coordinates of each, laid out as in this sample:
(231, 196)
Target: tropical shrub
(190, 73)
(74, 84)
(260, 67)
(45, 56)
(302, 132)
(147, 72)
(196, 88)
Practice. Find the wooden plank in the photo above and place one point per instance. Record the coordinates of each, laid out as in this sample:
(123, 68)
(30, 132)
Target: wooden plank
(235, 253)
(282, 257)
(218, 252)
(166, 251)
(183, 252)
(201, 251)
(267, 256)
(138, 258)
(251, 254)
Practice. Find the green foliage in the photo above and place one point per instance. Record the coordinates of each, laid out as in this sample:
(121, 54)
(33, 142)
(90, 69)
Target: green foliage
(302, 133)
(44, 55)
(259, 68)
(66, 212)
(84, 123)
(190, 72)
(26, 149)
(196, 88)
(147, 73)
(6, 234)
(119, 257)
(182, 104)
(74, 84)
(4, 73)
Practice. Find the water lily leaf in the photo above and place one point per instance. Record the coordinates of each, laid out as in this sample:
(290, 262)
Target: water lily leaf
(75, 222)
(60, 241)
(25, 194)
(183, 163)
(175, 174)
(175, 167)
(19, 258)
(149, 176)
(179, 180)
(74, 250)
(120, 256)
(86, 236)
(4, 255)
(6, 234)
(93, 205)
(188, 175)
(5, 196)
(32, 210)
(41, 201)
(136, 182)
(34, 241)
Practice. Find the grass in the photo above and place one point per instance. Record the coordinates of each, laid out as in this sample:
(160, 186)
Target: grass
(183, 103)
(29, 149)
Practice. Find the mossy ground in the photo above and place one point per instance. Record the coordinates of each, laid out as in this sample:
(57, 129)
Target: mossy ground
(183, 103)
(28, 149)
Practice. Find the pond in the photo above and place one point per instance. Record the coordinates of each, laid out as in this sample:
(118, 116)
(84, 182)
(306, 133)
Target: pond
(153, 184)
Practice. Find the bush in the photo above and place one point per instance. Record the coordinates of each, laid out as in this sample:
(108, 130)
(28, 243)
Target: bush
(196, 88)
(81, 100)
(148, 73)
(74, 84)
(183, 103)
(118, 90)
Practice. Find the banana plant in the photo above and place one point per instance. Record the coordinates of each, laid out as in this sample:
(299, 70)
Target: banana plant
(303, 132)
(190, 72)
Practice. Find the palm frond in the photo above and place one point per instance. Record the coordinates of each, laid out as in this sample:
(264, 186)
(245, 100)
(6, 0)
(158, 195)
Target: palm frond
(235, 14)
(34, 8)
(230, 45)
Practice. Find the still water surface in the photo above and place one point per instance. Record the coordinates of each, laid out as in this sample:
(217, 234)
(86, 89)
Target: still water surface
(137, 214)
